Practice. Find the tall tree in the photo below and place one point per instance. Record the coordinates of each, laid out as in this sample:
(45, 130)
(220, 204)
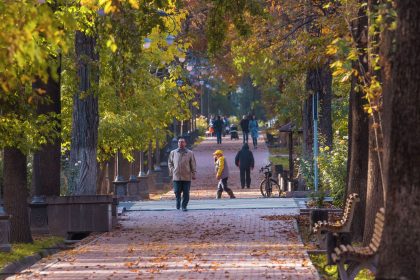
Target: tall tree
(84, 135)
(46, 163)
(16, 194)
(374, 192)
(358, 127)
(398, 257)
(325, 98)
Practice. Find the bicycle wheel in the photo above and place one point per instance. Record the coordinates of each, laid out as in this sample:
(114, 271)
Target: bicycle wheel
(262, 187)
(275, 188)
(270, 188)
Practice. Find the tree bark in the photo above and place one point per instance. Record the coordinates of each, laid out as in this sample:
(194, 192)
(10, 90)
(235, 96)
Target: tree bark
(319, 80)
(307, 127)
(46, 162)
(359, 134)
(325, 96)
(400, 246)
(84, 138)
(374, 193)
(16, 195)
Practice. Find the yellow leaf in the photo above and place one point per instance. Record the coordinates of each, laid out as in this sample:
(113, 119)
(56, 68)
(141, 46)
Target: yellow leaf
(134, 4)
(346, 77)
(108, 8)
(331, 50)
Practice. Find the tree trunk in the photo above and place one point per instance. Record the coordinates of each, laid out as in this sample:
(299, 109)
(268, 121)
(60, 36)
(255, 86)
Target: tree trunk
(319, 80)
(358, 160)
(374, 193)
(307, 122)
(16, 195)
(359, 134)
(46, 162)
(398, 256)
(84, 136)
(307, 128)
(325, 121)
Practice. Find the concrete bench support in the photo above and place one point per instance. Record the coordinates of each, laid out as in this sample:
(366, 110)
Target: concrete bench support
(92, 213)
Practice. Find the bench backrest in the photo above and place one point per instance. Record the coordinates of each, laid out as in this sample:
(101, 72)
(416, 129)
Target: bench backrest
(377, 231)
(349, 209)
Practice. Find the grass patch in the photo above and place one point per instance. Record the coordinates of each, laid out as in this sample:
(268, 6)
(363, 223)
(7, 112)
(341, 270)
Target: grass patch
(331, 272)
(278, 151)
(280, 160)
(21, 250)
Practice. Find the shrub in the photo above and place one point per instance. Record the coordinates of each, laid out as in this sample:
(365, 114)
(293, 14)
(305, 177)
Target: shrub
(333, 168)
(332, 164)
(202, 125)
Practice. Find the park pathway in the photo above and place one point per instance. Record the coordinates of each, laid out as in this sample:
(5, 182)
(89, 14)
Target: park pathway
(218, 244)
(245, 238)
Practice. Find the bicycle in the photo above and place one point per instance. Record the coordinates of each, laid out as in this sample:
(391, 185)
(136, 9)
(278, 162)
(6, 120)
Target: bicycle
(269, 187)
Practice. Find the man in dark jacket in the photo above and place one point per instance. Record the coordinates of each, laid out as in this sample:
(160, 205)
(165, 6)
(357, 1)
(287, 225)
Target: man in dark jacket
(245, 161)
(245, 128)
(218, 128)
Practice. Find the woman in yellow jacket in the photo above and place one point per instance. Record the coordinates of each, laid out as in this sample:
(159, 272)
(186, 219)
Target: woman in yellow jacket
(222, 174)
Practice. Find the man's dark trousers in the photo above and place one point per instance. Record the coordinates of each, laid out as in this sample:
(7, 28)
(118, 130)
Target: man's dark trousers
(245, 174)
(245, 136)
(219, 136)
(184, 188)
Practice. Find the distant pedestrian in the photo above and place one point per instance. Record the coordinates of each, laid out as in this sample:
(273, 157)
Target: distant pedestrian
(245, 161)
(245, 128)
(218, 128)
(226, 125)
(253, 128)
(222, 174)
(211, 125)
(182, 167)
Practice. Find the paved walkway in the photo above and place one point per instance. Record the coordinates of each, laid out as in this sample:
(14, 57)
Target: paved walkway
(219, 244)
(245, 238)
(213, 204)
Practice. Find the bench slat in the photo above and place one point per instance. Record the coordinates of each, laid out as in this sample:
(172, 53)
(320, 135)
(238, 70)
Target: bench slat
(373, 248)
(337, 251)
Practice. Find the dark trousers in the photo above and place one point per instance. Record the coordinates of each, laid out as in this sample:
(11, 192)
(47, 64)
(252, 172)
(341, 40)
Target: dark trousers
(245, 174)
(184, 188)
(254, 141)
(223, 186)
(245, 136)
(219, 137)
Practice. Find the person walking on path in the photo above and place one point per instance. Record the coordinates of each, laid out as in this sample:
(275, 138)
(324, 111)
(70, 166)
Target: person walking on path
(222, 174)
(253, 128)
(245, 128)
(182, 167)
(245, 161)
(218, 128)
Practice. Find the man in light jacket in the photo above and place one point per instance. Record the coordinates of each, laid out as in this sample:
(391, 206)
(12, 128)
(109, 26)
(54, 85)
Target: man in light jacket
(182, 167)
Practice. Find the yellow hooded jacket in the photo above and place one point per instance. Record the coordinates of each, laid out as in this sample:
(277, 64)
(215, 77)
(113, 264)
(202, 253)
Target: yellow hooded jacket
(222, 169)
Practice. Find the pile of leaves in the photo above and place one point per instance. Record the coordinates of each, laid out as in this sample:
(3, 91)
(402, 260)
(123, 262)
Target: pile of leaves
(279, 218)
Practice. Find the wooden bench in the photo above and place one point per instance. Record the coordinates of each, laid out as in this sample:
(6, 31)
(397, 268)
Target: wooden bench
(343, 225)
(358, 258)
